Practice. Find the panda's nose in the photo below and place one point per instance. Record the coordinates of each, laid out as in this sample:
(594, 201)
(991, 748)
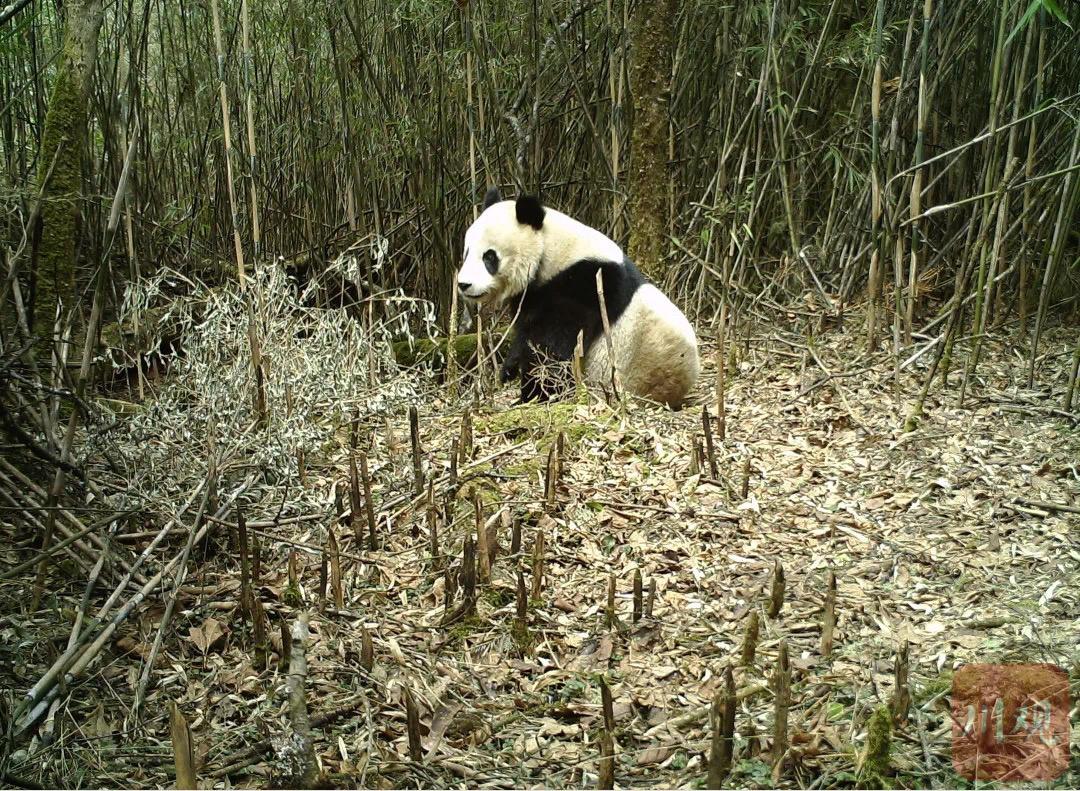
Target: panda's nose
(463, 287)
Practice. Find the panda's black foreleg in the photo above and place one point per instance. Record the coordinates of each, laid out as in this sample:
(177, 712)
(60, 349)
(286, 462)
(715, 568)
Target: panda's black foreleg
(511, 366)
(531, 388)
(532, 380)
(542, 356)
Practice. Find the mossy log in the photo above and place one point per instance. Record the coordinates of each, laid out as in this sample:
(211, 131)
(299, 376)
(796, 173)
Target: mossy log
(432, 352)
(125, 343)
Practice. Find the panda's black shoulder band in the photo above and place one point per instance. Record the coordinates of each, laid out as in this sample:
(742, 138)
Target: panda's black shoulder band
(529, 211)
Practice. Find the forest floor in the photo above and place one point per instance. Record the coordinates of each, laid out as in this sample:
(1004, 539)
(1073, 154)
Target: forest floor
(955, 538)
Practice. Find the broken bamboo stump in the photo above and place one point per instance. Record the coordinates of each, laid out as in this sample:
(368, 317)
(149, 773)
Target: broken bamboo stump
(781, 703)
(452, 484)
(750, 639)
(520, 627)
(304, 766)
(710, 450)
(369, 508)
(637, 596)
(609, 608)
(412, 727)
(354, 501)
(515, 538)
(538, 564)
(483, 574)
(606, 775)
(336, 585)
(260, 635)
(550, 479)
(417, 461)
(828, 618)
(246, 595)
(367, 650)
(433, 538)
(900, 703)
(723, 731)
(607, 704)
(776, 591)
(466, 438)
(183, 750)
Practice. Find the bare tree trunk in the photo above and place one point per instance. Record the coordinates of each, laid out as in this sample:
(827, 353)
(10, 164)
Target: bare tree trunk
(652, 34)
(62, 143)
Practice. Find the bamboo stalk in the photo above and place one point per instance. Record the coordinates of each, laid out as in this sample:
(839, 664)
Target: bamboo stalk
(874, 276)
(170, 606)
(607, 332)
(1053, 258)
(1029, 171)
(915, 200)
(249, 81)
(219, 49)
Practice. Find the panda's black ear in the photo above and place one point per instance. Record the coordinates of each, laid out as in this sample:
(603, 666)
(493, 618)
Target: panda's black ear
(529, 211)
(492, 197)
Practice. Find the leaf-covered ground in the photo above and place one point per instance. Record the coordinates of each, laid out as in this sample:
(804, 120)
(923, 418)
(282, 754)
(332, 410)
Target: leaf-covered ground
(947, 538)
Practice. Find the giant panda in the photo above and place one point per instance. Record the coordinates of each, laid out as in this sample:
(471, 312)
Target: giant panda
(544, 264)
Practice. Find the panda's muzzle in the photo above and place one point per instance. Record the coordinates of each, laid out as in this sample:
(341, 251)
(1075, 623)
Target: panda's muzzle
(473, 291)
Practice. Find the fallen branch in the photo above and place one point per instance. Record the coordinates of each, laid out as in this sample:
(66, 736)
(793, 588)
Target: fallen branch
(241, 759)
(1047, 505)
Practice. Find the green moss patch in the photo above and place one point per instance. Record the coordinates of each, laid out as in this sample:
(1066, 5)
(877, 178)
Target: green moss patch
(432, 352)
(541, 421)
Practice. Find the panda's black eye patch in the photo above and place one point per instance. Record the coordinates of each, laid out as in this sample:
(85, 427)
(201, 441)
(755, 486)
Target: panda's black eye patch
(491, 262)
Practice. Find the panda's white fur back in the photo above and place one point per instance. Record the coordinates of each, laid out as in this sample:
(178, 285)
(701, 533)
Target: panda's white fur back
(656, 354)
(655, 347)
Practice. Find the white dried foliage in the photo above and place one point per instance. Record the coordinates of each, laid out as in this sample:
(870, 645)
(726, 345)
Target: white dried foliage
(316, 362)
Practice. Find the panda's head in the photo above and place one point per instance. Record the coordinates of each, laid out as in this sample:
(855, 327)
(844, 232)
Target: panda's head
(502, 248)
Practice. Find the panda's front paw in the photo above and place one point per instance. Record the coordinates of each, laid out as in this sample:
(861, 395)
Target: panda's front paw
(509, 371)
